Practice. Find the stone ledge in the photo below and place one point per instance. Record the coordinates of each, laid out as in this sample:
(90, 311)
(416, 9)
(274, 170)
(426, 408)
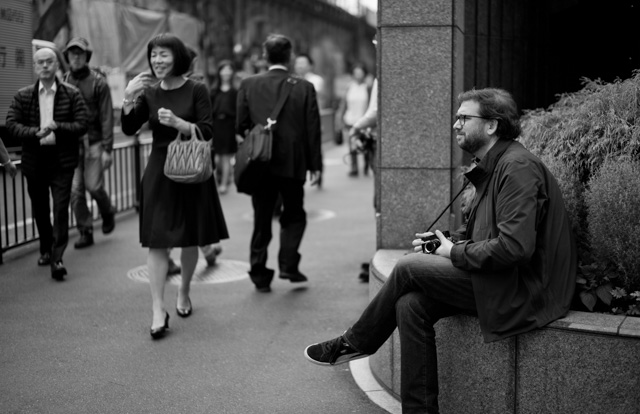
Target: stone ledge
(583, 363)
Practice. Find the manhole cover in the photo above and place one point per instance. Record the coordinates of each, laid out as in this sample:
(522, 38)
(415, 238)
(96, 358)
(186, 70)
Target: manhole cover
(224, 271)
(312, 215)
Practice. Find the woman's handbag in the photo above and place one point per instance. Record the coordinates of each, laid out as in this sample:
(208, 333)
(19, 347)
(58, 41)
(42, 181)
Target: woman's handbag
(189, 161)
(254, 152)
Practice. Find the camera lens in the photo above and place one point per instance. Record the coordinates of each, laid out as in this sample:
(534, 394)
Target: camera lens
(431, 246)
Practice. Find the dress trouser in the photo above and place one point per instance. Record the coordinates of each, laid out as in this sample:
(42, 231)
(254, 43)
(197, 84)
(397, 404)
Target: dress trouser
(293, 221)
(53, 239)
(420, 290)
(89, 176)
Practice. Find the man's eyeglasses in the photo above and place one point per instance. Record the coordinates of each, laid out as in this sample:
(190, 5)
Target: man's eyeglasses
(463, 118)
(48, 62)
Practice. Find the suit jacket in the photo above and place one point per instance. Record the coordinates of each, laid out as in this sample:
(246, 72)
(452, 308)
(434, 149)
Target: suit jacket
(23, 122)
(296, 136)
(519, 242)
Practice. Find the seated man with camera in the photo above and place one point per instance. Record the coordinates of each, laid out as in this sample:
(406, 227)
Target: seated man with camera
(512, 264)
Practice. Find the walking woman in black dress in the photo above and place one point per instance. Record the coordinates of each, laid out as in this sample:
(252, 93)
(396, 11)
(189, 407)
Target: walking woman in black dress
(171, 214)
(223, 101)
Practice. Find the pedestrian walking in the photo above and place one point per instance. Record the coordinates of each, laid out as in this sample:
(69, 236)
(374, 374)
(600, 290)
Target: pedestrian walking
(296, 150)
(513, 264)
(95, 146)
(223, 101)
(171, 214)
(353, 107)
(49, 117)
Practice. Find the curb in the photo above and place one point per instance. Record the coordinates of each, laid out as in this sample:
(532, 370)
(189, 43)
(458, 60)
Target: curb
(367, 382)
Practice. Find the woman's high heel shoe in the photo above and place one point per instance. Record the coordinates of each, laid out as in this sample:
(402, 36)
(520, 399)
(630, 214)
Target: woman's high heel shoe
(183, 313)
(161, 331)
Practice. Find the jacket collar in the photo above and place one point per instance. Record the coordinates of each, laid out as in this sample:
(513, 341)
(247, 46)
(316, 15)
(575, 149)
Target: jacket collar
(278, 67)
(56, 86)
(483, 170)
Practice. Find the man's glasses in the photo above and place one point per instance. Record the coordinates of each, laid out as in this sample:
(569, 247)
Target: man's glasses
(48, 62)
(463, 118)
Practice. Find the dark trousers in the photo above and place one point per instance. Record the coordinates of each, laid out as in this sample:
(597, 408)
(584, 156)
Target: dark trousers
(420, 290)
(293, 221)
(53, 239)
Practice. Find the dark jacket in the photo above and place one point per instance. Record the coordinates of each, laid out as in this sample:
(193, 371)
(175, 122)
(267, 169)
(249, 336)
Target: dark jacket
(69, 113)
(519, 242)
(97, 96)
(297, 139)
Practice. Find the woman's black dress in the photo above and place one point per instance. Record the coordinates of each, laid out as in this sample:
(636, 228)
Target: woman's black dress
(224, 120)
(174, 214)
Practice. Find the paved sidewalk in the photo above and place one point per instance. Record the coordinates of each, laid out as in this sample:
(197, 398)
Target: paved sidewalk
(83, 345)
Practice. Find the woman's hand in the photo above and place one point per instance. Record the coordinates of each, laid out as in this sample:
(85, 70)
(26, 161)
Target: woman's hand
(168, 118)
(138, 84)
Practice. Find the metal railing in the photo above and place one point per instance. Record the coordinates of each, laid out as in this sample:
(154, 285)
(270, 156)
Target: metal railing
(122, 182)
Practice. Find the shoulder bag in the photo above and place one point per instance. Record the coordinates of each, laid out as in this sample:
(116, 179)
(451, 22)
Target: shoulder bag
(189, 161)
(255, 151)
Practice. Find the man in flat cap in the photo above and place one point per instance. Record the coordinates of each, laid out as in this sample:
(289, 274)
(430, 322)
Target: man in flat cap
(95, 146)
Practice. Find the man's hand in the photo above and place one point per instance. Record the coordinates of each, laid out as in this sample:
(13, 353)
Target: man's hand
(417, 243)
(314, 177)
(10, 168)
(445, 244)
(47, 137)
(43, 132)
(52, 126)
(107, 160)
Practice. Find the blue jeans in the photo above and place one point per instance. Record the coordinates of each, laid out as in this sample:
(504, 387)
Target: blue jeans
(420, 290)
(89, 176)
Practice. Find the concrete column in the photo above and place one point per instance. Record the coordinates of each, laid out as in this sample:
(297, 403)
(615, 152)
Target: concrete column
(420, 60)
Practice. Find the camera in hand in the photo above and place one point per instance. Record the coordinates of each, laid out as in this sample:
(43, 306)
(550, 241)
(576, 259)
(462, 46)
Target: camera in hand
(431, 242)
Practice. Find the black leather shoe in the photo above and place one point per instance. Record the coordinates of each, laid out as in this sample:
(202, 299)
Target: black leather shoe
(158, 333)
(85, 240)
(293, 277)
(44, 260)
(262, 279)
(184, 313)
(109, 222)
(58, 271)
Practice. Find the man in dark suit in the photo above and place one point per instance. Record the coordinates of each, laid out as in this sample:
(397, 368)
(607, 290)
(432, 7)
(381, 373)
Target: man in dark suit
(49, 117)
(296, 150)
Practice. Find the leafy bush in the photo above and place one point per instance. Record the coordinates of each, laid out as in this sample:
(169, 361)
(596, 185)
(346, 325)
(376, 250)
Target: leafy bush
(590, 140)
(613, 202)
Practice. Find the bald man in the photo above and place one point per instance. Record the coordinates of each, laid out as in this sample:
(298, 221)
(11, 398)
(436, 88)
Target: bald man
(49, 117)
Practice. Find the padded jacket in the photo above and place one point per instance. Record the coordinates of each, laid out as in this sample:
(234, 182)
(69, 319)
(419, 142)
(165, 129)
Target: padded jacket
(70, 115)
(518, 242)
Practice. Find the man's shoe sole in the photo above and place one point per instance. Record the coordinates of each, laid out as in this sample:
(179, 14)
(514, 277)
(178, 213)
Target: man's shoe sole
(294, 278)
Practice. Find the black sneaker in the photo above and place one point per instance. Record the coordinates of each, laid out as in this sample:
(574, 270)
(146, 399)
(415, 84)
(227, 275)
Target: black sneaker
(334, 352)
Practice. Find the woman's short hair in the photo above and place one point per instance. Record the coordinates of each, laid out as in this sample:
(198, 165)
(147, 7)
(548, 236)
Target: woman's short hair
(223, 64)
(277, 49)
(181, 56)
(496, 104)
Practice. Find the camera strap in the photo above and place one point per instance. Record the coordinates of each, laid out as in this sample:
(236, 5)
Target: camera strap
(448, 206)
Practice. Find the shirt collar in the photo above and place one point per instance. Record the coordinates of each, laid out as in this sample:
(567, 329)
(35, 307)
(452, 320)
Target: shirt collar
(41, 88)
(283, 67)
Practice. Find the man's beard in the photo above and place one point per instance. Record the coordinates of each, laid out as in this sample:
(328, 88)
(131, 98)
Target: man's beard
(472, 142)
